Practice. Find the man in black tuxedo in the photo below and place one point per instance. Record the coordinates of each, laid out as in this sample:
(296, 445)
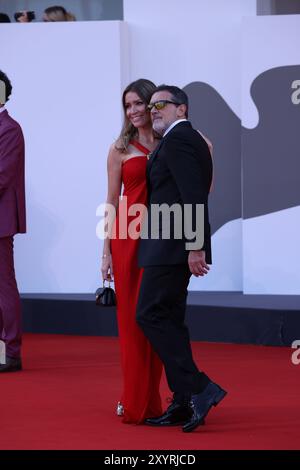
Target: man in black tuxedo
(179, 173)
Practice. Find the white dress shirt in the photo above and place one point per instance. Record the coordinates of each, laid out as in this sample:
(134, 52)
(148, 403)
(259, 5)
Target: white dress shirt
(173, 125)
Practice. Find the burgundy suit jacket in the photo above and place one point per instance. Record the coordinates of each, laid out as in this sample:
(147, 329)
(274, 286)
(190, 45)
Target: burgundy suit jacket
(12, 177)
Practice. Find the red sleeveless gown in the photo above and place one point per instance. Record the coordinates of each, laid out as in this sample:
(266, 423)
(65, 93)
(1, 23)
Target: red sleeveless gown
(141, 366)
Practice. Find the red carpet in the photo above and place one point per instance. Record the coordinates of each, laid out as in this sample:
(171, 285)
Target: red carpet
(66, 397)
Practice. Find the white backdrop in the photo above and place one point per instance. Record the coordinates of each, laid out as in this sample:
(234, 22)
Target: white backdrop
(271, 255)
(278, 50)
(68, 79)
(178, 42)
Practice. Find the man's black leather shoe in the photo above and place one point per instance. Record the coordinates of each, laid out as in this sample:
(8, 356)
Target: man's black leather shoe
(12, 365)
(175, 415)
(202, 403)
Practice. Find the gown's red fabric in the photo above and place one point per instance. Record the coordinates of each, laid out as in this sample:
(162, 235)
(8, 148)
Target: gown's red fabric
(141, 366)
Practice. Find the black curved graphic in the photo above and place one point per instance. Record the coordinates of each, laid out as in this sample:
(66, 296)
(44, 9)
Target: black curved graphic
(271, 151)
(259, 167)
(211, 114)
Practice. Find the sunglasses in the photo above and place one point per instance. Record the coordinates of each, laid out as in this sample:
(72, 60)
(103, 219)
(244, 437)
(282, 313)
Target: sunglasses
(161, 104)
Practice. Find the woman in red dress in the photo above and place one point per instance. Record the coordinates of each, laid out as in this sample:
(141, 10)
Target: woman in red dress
(127, 161)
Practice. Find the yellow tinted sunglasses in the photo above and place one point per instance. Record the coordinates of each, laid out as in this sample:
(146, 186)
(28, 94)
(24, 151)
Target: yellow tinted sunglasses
(161, 104)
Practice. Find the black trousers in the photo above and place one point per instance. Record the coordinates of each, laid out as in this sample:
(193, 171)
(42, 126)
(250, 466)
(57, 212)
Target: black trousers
(160, 314)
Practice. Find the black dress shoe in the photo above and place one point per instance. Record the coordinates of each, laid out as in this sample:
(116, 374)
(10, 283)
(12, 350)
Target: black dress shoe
(175, 415)
(202, 403)
(12, 364)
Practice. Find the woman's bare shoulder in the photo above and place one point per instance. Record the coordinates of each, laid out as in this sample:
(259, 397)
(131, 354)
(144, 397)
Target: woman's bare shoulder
(115, 154)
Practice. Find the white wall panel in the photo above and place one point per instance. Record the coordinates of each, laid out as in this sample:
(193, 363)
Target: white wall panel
(271, 254)
(178, 43)
(173, 41)
(67, 80)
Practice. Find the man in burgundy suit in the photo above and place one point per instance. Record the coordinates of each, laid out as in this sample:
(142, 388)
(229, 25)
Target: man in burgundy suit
(12, 221)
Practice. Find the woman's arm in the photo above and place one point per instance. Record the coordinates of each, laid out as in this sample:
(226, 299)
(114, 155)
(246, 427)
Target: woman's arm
(114, 172)
(209, 144)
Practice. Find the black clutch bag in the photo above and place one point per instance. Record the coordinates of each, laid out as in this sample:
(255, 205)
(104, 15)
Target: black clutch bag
(105, 296)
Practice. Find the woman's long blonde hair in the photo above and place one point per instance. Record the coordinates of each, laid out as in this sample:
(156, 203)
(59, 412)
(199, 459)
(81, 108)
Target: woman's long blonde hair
(58, 13)
(144, 89)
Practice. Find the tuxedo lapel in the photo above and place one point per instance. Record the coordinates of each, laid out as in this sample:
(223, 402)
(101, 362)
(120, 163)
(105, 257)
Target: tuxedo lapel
(153, 157)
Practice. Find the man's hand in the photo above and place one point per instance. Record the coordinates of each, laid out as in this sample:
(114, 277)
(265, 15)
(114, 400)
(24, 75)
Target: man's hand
(197, 263)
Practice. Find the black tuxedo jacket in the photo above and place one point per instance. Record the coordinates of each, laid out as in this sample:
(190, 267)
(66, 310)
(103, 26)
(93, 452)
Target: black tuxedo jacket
(179, 171)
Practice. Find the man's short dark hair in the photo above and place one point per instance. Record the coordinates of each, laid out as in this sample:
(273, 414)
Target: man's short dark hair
(177, 93)
(8, 87)
(4, 18)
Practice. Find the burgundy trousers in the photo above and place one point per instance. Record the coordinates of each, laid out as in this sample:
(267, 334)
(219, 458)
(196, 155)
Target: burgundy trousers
(10, 304)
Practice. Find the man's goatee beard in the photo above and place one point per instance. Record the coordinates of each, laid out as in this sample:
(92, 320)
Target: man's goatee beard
(158, 129)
